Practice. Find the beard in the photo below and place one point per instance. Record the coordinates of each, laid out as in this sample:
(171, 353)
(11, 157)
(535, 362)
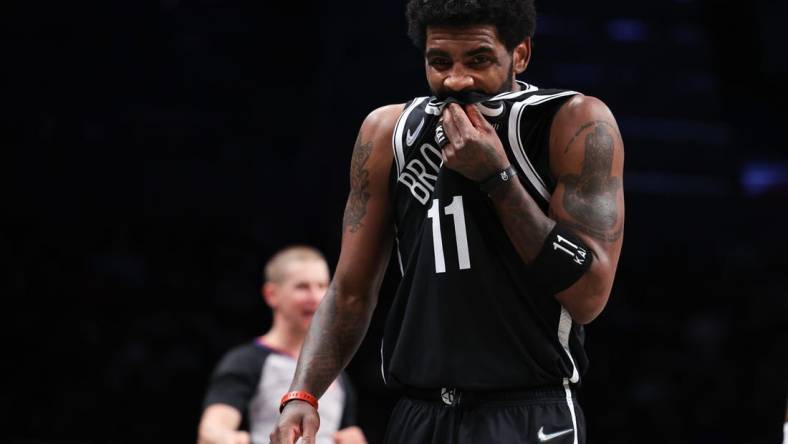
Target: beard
(470, 96)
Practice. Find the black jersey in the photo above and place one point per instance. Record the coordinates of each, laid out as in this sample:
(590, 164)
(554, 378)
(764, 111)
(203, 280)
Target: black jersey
(466, 314)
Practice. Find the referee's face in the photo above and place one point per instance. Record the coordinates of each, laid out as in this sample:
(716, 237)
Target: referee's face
(300, 292)
(471, 59)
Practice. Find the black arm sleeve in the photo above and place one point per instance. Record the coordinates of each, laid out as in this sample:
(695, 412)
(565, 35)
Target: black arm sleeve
(351, 403)
(236, 378)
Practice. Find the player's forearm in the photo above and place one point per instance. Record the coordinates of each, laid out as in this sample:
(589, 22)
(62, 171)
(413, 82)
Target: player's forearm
(586, 298)
(528, 227)
(525, 223)
(335, 334)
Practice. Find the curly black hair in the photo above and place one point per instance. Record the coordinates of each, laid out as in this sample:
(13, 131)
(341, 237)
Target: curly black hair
(514, 19)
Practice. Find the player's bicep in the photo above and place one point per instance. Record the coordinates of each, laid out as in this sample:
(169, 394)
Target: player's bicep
(367, 200)
(587, 160)
(367, 230)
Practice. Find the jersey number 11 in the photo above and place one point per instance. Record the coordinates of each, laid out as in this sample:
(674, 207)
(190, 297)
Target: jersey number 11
(456, 210)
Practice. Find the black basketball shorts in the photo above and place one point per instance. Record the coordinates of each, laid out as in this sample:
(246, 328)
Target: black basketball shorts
(536, 416)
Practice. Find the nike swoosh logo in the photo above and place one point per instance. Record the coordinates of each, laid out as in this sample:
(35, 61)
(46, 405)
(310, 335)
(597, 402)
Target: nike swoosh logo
(410, 138)
(542, 437)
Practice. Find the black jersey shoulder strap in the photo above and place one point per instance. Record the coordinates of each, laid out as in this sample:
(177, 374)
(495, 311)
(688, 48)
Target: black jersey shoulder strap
(521, 104)
(408, 129)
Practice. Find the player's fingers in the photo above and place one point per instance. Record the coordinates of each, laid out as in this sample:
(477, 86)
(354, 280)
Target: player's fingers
(284, 434)
(447, 153)
(460, 119)
(310, 425)
(476, 118)
(450, 128)
(444, 143)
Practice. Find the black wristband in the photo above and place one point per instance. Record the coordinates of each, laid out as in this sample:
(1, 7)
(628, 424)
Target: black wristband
(563, 260)
(498, 179)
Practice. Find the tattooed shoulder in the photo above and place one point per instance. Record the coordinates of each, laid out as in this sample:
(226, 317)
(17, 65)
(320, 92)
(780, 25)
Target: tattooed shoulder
(585, 126)
(590, 197)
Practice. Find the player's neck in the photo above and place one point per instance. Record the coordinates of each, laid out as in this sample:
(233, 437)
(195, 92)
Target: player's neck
(516, 86)
(283, 339)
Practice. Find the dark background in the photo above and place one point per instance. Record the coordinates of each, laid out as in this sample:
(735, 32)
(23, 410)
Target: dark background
(161, 151)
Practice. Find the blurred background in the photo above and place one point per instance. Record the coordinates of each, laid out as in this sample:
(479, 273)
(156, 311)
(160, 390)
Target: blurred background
(160, 151)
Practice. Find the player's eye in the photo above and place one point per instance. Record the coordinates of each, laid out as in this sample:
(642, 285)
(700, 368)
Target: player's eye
(480, 60)
(439, 62)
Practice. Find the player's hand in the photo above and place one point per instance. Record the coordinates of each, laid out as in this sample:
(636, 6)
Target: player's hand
(474, 149)
(298, 419)
(350, 435)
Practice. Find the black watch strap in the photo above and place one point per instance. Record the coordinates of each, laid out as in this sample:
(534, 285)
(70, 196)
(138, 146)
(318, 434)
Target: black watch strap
(498, 179)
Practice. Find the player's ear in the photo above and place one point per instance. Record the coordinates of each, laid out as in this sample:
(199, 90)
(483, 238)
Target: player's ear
(521, 55)
(270, 294)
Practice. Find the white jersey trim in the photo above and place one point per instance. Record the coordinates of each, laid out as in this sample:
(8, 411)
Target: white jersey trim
(515, 139)
(571, 405)
(399, 254)
(399, 127)
(526, 88)
(564, 327)
(382, 364)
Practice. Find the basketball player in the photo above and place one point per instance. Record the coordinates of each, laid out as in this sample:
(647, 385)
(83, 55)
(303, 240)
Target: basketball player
(505, 205)
(250, 378)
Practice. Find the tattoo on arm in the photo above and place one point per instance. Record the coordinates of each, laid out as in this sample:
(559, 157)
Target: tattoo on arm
(356, 207)
(605, 236)
(517, 213)
(582, 128)
(590, 197)
(334, 337)
(343, 316)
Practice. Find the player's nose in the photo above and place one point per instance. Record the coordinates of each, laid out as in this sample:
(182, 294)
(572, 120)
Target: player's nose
(458, 80)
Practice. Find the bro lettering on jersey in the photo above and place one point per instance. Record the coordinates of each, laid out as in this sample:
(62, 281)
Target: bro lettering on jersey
(421, 172)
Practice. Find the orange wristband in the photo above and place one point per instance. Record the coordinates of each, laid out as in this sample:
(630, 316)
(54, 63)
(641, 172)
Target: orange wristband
(300, 395)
